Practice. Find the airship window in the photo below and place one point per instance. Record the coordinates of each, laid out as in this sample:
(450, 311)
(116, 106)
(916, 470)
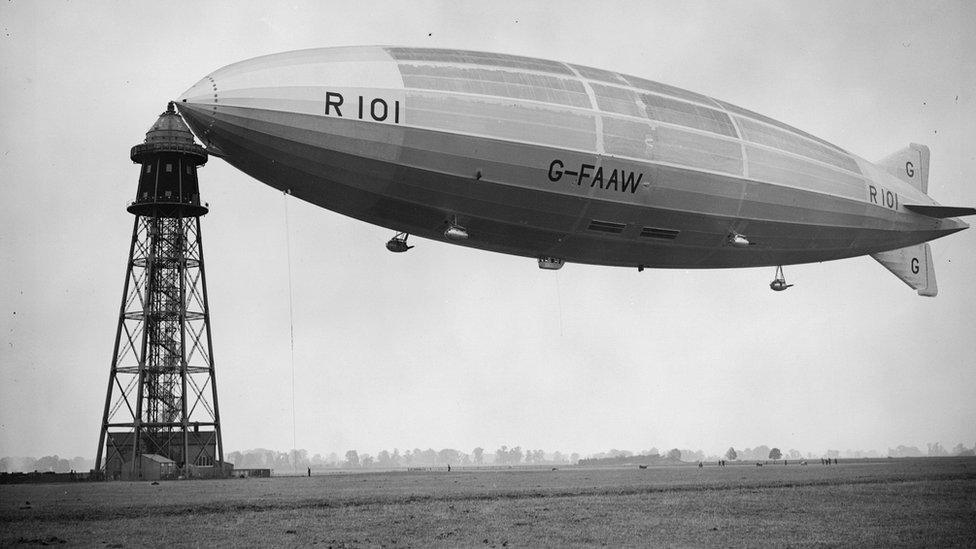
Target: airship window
(169, 168)
(188, 169)
(148, 168)
(663, 234)
(606, 226)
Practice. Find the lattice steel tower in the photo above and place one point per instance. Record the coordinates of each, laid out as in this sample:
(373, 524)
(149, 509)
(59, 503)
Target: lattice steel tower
(161, 416)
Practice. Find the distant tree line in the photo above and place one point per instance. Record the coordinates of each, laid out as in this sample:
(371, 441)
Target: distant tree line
(299, 460)
(45, 464)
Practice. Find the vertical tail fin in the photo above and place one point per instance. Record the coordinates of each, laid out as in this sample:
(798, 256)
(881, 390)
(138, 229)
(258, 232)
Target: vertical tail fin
(910, 164)
(913, 265)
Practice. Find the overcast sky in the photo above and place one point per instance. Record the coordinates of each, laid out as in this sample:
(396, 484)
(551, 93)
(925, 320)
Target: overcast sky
(450, 347)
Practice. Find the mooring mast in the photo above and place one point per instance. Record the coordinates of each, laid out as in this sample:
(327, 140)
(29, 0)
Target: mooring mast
(161, 416)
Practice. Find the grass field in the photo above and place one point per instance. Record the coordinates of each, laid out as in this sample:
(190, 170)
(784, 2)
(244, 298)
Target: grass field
(929, 502)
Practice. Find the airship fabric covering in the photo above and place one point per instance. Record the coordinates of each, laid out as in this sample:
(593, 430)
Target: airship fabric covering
(536, 102)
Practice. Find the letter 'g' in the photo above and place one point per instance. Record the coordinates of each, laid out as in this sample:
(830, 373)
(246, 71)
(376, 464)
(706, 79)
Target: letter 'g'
(555, 170)
(915, 265)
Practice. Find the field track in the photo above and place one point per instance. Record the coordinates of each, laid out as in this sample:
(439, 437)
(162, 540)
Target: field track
(892, 502)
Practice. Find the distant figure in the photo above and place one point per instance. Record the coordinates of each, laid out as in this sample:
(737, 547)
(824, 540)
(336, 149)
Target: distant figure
(642, 466)
(835, 461)
(310, 472)
(700, 465)
(758, 464)
(804, 462)
(448, 467)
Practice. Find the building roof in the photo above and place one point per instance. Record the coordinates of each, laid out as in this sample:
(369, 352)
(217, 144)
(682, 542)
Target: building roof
(158, 458)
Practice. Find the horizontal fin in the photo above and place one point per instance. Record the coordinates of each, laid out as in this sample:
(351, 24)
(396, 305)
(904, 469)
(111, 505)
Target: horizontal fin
(913, 265)
(941, 212)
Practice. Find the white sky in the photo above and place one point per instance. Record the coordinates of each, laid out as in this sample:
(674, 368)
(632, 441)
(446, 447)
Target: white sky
(450, 347)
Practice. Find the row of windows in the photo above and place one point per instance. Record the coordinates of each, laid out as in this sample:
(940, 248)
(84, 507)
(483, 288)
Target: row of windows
(646, 232)
(168, 168)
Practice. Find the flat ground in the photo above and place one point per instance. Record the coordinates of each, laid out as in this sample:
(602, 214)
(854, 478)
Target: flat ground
(930, 502)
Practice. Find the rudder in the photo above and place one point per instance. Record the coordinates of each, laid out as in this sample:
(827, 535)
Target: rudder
(911, 165)
(913, 265)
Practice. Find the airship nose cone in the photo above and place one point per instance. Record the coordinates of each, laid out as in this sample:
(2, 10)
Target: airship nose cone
(204, 91)
(198, 104)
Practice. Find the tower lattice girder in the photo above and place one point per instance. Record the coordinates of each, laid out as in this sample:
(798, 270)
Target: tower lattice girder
(162, 392)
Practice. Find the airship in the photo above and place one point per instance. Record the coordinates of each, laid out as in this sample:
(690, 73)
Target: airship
(562, 163)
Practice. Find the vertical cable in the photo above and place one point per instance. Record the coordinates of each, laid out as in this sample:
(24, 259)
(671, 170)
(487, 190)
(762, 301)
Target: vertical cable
(291, 329)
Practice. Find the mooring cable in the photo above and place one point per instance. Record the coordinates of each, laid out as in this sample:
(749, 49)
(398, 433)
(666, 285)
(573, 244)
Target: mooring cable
(291, 327)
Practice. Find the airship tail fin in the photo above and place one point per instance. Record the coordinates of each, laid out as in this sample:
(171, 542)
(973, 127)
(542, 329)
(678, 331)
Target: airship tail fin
(911, 165)
(913, 265)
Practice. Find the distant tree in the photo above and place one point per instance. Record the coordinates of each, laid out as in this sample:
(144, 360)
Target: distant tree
(775, 454)
(574, 458)
(366, 460)
(730, 454)
(52, 463)
(383, 459)
(674, 454)
(478, 454)
(352, 459)
(501, 455)
(236, 458)
(428, 457)
(960, 450)
(448, 456)
(558, 457)
(515, 455)
(936, 449)
(396, 458)
(298, 459)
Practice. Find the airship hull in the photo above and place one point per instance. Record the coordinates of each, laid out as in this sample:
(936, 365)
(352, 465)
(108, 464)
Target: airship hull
(571, 178)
